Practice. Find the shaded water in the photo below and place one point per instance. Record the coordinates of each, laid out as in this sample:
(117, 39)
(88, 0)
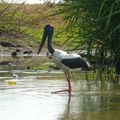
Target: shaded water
(31, 98)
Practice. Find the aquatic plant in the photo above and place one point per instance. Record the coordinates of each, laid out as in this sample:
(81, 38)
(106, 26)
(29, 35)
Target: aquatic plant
(94, 25)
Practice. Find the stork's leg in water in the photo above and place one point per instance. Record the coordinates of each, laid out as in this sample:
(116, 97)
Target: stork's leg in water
(67, 74)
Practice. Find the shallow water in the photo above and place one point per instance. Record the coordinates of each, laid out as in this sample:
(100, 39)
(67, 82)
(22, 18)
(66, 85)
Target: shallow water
(31, 98)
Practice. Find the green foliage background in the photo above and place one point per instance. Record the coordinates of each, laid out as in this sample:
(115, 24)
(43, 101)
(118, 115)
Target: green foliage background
(23, 23)
(95, 25)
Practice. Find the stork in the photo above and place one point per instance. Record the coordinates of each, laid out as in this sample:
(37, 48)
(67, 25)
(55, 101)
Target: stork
(62, 59)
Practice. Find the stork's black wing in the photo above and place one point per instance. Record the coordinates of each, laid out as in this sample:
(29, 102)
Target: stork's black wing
(75, 63)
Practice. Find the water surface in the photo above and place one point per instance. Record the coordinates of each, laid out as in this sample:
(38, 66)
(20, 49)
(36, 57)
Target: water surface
(31, 98)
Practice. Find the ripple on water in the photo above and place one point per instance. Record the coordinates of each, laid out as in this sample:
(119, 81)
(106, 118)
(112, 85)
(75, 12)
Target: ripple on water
(31, 99)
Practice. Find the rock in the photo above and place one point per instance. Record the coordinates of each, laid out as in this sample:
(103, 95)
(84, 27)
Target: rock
(27, 52)
(17, 50)
(28, 67)
(14, 54)
(6, 44)
(5, 63)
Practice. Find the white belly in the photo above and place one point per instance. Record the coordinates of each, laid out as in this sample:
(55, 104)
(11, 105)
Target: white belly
(59, 64)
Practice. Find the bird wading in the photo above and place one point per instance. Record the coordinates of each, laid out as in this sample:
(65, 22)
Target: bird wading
(62, 59)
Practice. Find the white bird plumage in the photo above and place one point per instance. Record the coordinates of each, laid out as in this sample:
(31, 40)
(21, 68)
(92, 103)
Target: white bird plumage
(60, 55)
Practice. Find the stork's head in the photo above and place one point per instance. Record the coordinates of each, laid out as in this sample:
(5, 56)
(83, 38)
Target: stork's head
(48, 32)
(49, 29)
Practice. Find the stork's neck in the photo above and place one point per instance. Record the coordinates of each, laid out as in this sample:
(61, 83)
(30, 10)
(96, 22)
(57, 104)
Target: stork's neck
(50, 48)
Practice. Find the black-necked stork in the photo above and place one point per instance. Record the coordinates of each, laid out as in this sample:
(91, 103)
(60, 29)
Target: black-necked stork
(62, 59)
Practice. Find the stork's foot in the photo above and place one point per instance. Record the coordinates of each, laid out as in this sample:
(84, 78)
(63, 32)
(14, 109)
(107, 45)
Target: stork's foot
(62, 91)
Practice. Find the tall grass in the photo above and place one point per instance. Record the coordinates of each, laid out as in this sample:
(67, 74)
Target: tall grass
(95, 24)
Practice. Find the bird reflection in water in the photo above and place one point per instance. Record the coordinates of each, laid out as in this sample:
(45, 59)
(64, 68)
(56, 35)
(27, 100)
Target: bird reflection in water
(66, 115)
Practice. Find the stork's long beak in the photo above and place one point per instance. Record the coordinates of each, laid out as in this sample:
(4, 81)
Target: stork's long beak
(44, 37)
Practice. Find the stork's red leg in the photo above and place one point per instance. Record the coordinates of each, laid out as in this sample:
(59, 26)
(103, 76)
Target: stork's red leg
(69, 85)
(68, 80)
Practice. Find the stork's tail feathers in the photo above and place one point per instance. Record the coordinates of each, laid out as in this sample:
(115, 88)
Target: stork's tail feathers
(89, 65)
